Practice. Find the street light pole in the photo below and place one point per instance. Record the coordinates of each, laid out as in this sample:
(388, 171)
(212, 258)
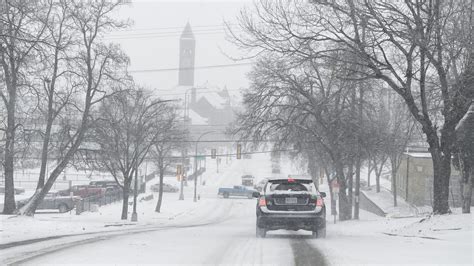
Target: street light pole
(195, 164)
(134, 213)
(181, 194)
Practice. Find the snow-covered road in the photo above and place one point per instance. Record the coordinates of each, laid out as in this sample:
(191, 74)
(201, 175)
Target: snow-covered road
(226, 236)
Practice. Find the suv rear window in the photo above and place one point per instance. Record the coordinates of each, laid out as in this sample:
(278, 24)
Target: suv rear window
(288, 187)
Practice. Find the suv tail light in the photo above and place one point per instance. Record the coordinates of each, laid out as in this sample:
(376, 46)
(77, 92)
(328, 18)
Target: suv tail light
(262, 202)
(319, 202)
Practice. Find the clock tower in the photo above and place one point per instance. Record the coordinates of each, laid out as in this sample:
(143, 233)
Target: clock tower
(187, 45)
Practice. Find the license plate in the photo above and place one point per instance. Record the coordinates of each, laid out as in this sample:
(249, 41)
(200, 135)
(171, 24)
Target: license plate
(291, 200)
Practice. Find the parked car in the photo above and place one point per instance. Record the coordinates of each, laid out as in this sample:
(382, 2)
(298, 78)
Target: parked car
(291, 204)
(18, 190)
(166, 188)
(240, 191)
(83, 191)
(53, 200)
(103, 183)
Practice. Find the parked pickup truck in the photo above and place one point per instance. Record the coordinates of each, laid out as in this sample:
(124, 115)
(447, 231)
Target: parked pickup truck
(53, 200)
(239, 191)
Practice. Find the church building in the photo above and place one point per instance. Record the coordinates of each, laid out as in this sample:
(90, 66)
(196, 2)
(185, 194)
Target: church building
(205, 104)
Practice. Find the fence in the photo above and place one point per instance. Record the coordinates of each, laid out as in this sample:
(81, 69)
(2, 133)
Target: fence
(91, 203)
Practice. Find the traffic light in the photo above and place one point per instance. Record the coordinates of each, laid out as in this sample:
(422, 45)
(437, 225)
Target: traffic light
(213, 154)
(239, 151)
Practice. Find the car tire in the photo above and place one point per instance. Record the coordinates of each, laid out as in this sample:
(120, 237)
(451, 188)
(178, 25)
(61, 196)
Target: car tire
(320, 233)
(261, 232)
(226, 195)
(63, 208)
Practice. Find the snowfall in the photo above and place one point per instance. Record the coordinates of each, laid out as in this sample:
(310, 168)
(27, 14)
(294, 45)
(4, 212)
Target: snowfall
(214, 231)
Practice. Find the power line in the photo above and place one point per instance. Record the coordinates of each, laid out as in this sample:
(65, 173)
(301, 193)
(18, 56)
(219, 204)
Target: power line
(177, 27)
(154, 36)
(165, 33)
(205, 92)
(189, 68)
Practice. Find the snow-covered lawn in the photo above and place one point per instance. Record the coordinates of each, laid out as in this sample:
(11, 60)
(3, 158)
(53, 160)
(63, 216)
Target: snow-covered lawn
(46, 224)
(374, 240)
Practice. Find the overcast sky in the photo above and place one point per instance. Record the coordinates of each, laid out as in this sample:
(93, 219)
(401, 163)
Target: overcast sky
(153, 42)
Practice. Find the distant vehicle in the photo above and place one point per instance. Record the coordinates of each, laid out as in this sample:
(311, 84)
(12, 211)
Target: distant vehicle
(247, 180)
(110, 186)
(18, 190)
(103, 183)
(83, 191)
(53, 200)
(166, 188)
(240, 191)
(291, 204)
(260, 185)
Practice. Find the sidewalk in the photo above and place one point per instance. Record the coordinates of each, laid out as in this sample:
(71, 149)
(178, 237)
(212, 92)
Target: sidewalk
(384, 200)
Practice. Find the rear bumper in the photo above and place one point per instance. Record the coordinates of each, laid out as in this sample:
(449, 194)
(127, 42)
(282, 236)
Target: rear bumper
(292, 221)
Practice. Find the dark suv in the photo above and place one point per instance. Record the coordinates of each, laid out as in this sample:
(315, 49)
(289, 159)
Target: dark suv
(291, 204)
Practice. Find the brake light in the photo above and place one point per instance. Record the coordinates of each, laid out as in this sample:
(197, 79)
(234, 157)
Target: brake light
(262, 202)
(319, 202)
(291, 179)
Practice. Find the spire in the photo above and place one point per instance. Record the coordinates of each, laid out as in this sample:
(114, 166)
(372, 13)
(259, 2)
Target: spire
(187, 32)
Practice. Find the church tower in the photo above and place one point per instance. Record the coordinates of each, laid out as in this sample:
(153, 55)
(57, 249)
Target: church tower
(187, 45)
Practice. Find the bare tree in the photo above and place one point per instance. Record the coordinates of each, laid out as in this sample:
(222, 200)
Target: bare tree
(172, 138)
(416, 48)
(302, 103)
(95, 69)
(22, 26)
(126, 130)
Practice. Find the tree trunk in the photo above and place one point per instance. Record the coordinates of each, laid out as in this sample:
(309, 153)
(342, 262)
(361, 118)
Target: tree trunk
(357, 188)
(369, 171)
(126, 193)
(160, 193)
(393, 163)
(9, 202)
(441, 175)
(331, 194)
(377, 177)
(49, 124)
(44, 152)
(350, 183)
(466, 188)
(345, 207)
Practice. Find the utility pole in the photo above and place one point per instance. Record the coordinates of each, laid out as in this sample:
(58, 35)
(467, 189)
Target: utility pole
(359, 148)
(182, 175)
(134, 213)
(195, 164)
